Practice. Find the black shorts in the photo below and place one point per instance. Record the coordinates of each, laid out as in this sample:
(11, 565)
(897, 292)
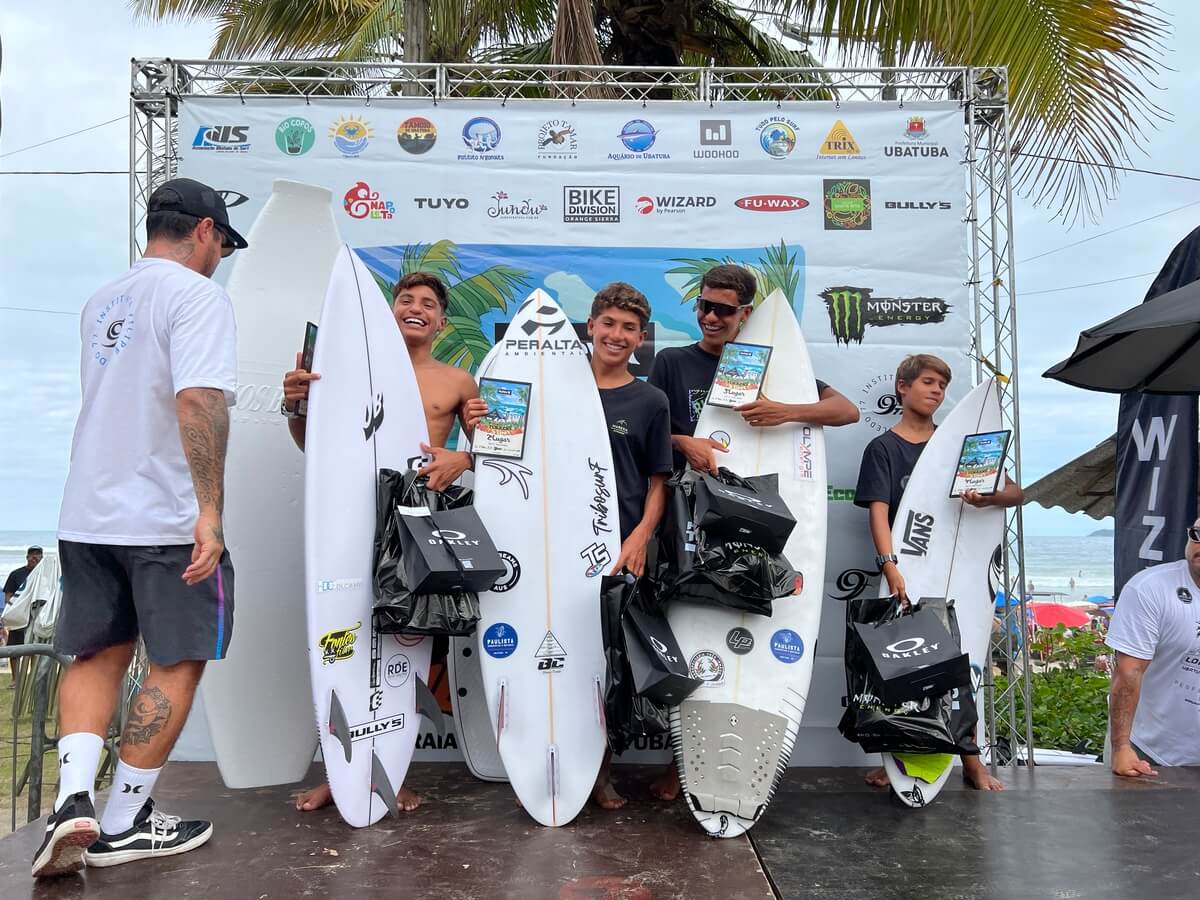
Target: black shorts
(111, 594)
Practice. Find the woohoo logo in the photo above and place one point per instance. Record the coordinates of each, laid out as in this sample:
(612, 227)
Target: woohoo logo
(361, 202)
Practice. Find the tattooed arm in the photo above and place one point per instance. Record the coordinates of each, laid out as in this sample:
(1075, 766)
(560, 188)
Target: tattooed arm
(1126, 690)
(204, 431)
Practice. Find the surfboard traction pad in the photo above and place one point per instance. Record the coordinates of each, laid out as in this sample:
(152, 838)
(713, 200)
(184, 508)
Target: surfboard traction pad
(725, 742)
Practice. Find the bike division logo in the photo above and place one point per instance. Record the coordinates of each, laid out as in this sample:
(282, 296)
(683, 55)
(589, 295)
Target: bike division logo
(840, 144)
(557, 140)
(361, 202)
(847, 204)
(853, 309)
(416, 135)
(295, 136)
(350, 135)
(777, 136)
(338, 644)
(591, 203)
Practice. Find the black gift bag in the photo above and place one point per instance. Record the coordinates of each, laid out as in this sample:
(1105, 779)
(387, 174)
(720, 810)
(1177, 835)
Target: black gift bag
(749, 510)
(659, 670)
(448, 550)
(627, 715)
(912, 657)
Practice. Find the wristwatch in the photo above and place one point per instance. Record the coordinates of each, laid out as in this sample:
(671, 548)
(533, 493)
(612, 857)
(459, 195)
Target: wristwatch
(287, 413)
(883, 559)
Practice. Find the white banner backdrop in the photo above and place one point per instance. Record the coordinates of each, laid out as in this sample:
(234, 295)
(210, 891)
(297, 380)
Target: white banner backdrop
(856, 210)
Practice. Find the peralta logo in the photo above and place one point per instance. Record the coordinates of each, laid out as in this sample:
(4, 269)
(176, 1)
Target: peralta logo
(557, 140)
(840, 144)
(338, 644)
(916, 142)
(361, 202)
(295, 136)
(350, 135)
(847, 204)
(853, 309)
(222, 138)
(481, 136)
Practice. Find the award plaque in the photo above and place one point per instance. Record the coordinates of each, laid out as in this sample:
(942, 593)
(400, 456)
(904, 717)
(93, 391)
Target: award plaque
(980, 462)
(502, 431)
(740, 374)
(306, 361)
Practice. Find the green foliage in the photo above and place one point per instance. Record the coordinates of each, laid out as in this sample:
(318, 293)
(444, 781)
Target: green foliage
(1069, 697)
(777, 269)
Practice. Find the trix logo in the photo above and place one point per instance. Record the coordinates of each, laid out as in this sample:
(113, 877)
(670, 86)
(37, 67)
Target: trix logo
(852, 309)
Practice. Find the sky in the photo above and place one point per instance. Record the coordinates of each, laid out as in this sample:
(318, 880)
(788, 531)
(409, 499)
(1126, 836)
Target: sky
(61, 237)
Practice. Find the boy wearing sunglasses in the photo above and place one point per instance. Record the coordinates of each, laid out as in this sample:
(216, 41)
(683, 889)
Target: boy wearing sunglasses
(1155, 632)
(685, 374)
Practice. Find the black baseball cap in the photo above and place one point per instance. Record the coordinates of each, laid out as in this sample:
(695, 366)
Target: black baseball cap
(190, 197)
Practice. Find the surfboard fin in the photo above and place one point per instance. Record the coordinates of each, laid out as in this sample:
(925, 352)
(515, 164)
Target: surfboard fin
(502, 711)
(382, 785)
(338, 725)
(600, 703)
(552, 769)
(427, 706)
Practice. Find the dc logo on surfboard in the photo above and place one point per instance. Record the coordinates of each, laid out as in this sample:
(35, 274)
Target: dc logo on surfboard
(500, 641)
(787, 646)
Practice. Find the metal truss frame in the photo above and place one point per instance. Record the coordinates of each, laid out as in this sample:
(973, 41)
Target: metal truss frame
(158, 84)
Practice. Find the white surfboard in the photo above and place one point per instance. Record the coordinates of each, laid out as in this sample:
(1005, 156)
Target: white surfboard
(733, 736)
(554, 513)
(945, 549)
(472, 724)
(364, 414)
(258, 700)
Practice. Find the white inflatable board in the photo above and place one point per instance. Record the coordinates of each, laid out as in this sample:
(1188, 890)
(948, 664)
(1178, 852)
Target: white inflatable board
(946, 549)
(554, 512)
(734, 735)
(258, 699)
(364, 414)
(472, 723)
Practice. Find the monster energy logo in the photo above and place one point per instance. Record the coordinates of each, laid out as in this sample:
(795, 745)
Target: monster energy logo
(852, 309)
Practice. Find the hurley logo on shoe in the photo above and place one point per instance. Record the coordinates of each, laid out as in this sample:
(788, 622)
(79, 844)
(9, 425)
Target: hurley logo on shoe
(130, 789)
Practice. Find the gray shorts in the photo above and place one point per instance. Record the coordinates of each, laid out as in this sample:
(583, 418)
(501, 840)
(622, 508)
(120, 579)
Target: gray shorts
(111, 594)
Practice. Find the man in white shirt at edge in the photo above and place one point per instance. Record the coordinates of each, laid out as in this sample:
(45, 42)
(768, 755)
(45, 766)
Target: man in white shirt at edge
(140, 538)
(1154, 710)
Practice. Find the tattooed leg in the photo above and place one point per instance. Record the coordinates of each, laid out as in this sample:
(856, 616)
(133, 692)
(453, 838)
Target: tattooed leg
(158, 713)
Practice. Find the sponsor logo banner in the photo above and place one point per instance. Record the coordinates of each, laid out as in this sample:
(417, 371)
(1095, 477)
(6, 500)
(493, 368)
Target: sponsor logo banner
(853, 309)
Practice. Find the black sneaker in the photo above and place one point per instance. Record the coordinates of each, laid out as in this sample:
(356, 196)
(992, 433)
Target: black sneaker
(153, 834)
(69, 832)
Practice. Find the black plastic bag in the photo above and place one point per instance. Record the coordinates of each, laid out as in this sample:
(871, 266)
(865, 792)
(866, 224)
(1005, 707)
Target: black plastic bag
(943, 724)
(701, 568)
(627, 715)
(912, 656)
(397, 609)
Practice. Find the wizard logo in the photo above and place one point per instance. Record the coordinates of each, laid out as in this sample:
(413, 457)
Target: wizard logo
(852, 309)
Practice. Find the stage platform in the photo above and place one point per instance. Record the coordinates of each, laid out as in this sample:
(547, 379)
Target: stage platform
(1057, 833)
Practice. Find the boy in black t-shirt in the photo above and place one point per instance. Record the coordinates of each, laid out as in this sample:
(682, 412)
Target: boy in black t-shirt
(685, 374)
(639, 431)
(887, 462)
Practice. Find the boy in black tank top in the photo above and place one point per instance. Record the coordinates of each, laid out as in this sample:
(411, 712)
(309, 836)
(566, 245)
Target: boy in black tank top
(887, 462)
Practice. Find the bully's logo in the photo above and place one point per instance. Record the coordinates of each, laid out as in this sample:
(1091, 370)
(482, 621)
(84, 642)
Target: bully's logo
(511, 471)
(374, 417)
(338, 644)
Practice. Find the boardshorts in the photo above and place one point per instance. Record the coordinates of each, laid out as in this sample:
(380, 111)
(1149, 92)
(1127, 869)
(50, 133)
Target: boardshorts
(111, 594)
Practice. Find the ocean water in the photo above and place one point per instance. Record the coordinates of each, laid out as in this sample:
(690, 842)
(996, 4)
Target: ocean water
(1050, 562)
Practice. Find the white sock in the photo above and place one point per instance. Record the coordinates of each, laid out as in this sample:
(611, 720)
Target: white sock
(78, 759)
(131, 789)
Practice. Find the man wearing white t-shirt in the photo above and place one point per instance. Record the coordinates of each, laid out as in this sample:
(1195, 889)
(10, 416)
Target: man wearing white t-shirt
(1155, 705)
(140, 537)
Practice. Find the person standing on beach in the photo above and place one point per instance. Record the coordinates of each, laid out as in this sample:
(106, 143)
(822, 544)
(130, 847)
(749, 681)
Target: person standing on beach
(12, 585)
(1154, 631)
(140, 536)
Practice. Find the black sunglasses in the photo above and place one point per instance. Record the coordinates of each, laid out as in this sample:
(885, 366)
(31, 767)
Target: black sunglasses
(723, 310)
(1194, 534)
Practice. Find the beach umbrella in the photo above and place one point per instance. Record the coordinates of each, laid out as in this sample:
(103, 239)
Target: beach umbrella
(1153, 348)
(1048, 615)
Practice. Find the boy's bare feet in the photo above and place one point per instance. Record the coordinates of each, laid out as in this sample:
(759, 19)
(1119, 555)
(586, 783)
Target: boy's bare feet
(666, 786)
(976, 774)
(878, 778)
(605, 795)
(321, 796)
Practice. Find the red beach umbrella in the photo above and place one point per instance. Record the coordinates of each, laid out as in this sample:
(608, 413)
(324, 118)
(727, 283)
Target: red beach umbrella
(1047, 615)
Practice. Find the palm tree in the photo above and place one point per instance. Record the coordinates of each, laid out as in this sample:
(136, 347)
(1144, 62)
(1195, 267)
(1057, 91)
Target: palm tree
(776, 270)
(1078, 71)
(462, 342)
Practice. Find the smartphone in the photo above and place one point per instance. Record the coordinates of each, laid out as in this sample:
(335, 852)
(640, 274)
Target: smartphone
(306, 360)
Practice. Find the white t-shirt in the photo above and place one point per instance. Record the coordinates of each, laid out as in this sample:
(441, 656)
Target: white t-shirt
(156, 330)
(1158, 618)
